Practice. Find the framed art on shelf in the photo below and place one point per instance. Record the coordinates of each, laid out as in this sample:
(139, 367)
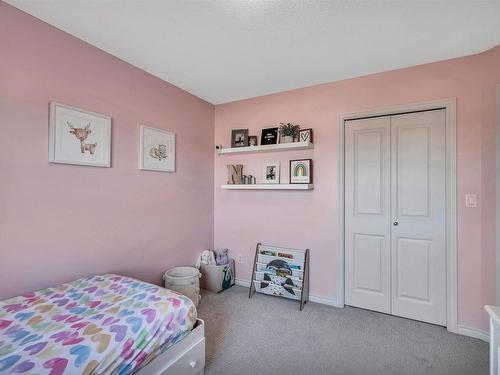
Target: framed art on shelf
(79, 137)
(239, 137)
(301, 171)
(157, 150)
(306, 135)
(271, 172)
(269, 136)
(252, 140)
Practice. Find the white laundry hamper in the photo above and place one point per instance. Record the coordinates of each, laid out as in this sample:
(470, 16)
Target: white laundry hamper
(184, 280)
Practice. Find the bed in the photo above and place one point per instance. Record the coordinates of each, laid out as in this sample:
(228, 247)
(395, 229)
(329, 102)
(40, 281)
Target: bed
(104, 324)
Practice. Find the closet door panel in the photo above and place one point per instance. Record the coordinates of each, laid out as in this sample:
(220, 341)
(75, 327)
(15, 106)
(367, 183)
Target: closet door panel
(367, 213)
(418, 195)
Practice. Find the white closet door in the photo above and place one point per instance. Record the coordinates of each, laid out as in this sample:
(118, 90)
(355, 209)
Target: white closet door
(367, 214)
(418, 247)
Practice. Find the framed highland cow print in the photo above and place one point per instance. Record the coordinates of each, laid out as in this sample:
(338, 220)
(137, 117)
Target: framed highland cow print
(77, 136)
(157, 150)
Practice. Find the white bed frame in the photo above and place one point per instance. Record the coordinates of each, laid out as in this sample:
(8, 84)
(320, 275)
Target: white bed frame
(187, 357)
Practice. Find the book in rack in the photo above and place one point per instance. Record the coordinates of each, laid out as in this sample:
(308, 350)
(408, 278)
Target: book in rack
(281, 272)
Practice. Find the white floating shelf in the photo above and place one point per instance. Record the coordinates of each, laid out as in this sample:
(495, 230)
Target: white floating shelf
(267, 148)
(269, 187)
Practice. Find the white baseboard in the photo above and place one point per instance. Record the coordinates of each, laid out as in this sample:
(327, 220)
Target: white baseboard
(473, 332)
(324, 300)
(312, 297)
(242, 282)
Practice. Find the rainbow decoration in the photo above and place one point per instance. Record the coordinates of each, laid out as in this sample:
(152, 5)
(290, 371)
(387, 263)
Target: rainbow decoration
(300, 170)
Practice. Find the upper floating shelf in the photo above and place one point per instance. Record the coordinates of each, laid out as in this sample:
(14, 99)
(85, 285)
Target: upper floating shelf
(267, 148)
(268, 187)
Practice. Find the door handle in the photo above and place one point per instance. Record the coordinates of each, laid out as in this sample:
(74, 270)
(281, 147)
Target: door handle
(396, 223)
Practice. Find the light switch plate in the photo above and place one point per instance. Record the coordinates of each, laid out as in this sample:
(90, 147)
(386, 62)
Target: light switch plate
(470, 200)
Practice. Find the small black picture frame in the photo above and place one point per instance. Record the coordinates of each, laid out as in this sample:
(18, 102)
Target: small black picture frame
(269, 136)
(305, 176)
(239, 138)
(306, 135)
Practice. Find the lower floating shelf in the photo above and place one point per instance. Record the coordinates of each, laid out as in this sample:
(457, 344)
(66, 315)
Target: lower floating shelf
(269, 187)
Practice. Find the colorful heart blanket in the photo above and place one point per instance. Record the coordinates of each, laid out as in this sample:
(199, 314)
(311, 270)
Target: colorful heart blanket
(106, 324)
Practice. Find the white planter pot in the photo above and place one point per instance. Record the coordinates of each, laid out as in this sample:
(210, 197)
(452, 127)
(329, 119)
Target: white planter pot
(287, 139)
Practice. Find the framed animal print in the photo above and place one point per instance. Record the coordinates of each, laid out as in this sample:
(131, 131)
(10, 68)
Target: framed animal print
(77, 136)
(157, 150)
(301, 171)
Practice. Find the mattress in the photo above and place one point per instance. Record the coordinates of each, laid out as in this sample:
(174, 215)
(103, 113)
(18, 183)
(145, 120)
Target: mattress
(105, 324)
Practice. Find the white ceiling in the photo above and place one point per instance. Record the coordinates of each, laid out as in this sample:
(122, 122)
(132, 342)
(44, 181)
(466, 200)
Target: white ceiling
(225, 50)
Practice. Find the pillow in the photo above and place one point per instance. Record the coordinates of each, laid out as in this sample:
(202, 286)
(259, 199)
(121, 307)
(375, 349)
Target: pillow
(221, 257)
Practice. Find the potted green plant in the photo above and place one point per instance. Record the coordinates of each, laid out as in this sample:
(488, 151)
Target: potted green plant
(288, 132)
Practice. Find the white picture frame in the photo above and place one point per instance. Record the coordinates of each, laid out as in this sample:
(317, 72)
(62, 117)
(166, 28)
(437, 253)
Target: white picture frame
(157, 149)
(78, 136)
(271, 172)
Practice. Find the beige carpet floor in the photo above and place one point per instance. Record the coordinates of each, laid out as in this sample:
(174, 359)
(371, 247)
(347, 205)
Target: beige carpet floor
(269, 335)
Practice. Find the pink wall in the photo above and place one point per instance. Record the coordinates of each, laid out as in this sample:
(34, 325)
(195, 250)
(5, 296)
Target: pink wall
(59, 222)
(491, 73)
(310, 218)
